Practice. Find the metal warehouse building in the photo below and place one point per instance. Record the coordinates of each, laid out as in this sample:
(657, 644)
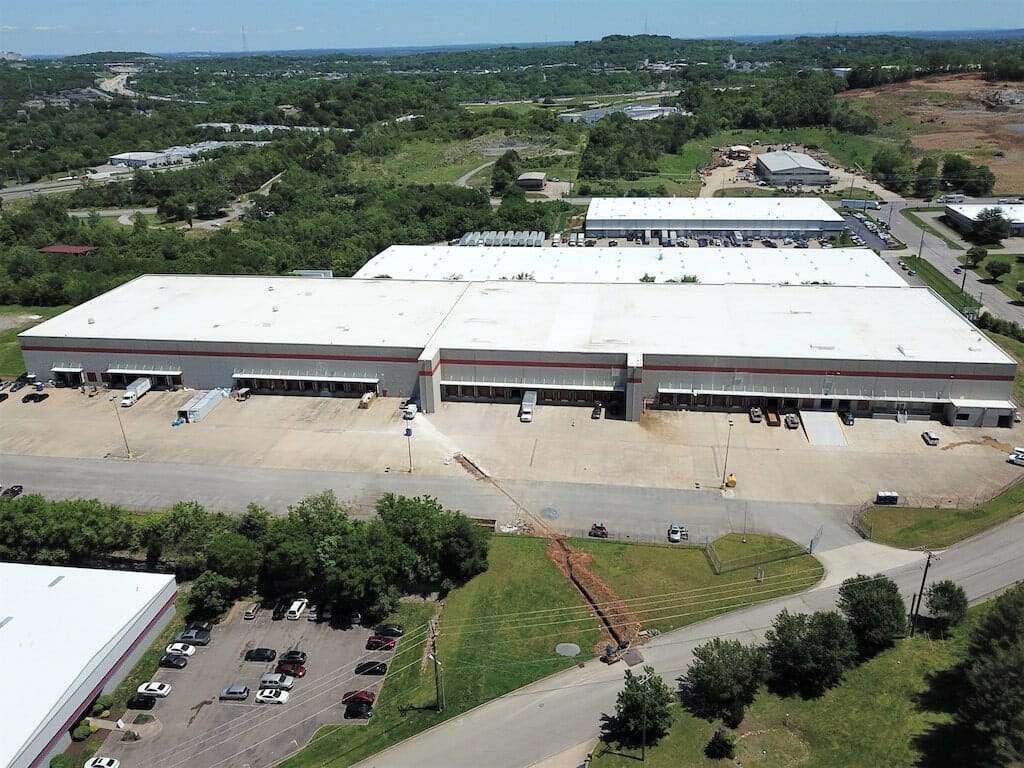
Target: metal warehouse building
(964, 217)
(795, 266)
(113, 616)
(717, 216)
(638, 345)
(782, 168)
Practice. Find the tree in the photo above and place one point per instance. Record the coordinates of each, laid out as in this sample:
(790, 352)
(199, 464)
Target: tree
(892, 167)
(976, 255)
(642, 710)
(175, 208)
(723, 680)
(809, 654)
(874, 610)
(997, 268)
(991, 227)
(947, 603)
(926, 182)
(210, 201)
(990, 701)
(237, 557)
(956, 169)
(211, 594)
(722, 745)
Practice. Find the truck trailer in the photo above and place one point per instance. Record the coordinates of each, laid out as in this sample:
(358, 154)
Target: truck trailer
(861, 205)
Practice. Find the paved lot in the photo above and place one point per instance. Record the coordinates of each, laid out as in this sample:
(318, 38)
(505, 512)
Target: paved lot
(666, 449)
(200, 730)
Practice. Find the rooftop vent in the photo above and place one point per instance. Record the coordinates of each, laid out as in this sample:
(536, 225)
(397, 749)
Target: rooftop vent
(92, 320)
(3, 622)
(270, 287)
(56, 581)
(274, 309)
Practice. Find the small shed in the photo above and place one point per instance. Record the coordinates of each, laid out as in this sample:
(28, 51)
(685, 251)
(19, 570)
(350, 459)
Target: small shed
(533, 181)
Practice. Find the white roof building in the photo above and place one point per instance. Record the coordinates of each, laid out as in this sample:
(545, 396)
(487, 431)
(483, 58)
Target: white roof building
(964, 216)
(778, 162)
(835, 266)
(758, 216)
(68, 634)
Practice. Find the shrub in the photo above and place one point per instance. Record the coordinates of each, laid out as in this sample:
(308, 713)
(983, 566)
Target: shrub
(722, 746)
(81, 733)
(63, 760)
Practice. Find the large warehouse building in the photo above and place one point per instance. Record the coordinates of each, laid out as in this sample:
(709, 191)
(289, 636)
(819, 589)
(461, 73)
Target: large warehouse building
(787, 168)
(716, 216)
(634, 345)
(69, 634)
(795, 266)
(964, 217)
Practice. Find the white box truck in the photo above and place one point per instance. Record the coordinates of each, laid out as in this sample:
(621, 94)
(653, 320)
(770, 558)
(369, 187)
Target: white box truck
(135, 390)
(526, 409)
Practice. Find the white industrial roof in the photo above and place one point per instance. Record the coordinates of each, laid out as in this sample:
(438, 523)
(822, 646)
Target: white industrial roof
(767, 209)
(136, 156)
(1012, 213)
(261, 310)
(795, 322)
(792, 321)
(56, 627)
(790, 161)
(838, 266)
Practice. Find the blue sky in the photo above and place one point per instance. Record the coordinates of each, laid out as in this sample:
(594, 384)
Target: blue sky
(78, 26)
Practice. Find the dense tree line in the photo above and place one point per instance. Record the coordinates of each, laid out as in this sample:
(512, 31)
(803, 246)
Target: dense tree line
(317, 548)
(894, 168)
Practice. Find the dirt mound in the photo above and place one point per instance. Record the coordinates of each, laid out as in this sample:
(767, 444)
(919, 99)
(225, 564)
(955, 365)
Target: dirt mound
(620, 622)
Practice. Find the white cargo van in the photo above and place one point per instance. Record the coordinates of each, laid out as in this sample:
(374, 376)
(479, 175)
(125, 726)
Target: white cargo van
(526, 409)
(297, 609)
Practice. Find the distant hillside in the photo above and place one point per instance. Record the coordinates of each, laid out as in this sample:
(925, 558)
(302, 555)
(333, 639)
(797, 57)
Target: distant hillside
(106, 57)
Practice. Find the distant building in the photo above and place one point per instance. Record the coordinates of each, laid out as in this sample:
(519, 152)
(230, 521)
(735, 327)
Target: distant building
(738, 152)
(134, 159)
(964, 217)
(782, 168)
(533, 181)
(632, 111)
(11, 56)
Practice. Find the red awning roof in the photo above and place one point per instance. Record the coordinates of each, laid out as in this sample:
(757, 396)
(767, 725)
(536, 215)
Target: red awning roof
(76, 250)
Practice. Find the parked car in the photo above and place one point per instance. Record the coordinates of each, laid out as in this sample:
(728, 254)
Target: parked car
(174, 661)
(792, 421)
(12, 491)
(291, 668)
(596, 413)
(1016, 458)
(380, 643)
(598, 531)
(280, 610)
(141, 701)
(183, 649)
(235, 692)
(260, 654)
(358, 710)
(328, 612)
(3, 396)
(369, 697)
(355, 618)
(294, 657)
(371, 668)
(17, 386)
(678, 533)
(202, 626)
(930, 438)
(251, 612)
(193, 637)
(957, 270)
(389, 630)
(755, 415)
(271, 696)
(313, 614)
(102, 762)
(846, 417)
(160, 690)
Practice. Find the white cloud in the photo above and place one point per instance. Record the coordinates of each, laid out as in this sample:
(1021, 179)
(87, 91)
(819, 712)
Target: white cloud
(54, 28)
(299, 28)
(198, 31)
(7, 28)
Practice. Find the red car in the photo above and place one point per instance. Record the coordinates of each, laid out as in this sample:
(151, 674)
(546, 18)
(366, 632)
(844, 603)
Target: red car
(380, 643)
(366, 696)
(292, 668)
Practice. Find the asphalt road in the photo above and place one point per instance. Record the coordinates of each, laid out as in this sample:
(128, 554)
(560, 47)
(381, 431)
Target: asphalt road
(630, 512)
(563, 711)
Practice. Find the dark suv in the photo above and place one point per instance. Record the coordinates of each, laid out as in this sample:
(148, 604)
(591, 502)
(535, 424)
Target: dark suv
(280, 610)
(141, 701)
(260, 654)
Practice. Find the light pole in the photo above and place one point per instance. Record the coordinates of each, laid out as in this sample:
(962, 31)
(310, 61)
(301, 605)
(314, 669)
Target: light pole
(438, 677)
(920, 594)
(408, 440)
(117, 412)
(728, 442)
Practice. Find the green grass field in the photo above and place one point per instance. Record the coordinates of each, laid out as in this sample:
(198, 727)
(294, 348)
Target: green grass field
(11, 361)
(671, 587)
(941, 284)
(910, 215)
(498, 633)
(876, 717)
(1008, 282)
(910, 527)
(421, 162)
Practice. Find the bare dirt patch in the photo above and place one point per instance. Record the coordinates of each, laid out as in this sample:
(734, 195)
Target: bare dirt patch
(621, 623)
(7, 322)
(954, 113)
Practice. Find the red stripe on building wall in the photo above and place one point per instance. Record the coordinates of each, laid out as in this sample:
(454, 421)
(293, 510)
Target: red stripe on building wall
(99, 687)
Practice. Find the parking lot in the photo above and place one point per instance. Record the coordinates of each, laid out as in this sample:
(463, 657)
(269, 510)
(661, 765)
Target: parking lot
(197, 729)
(665, 449)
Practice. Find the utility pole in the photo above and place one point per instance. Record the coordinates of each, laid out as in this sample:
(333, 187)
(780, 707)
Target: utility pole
(408, 440)
(643, 741)
(725, 466)
(117, 412)
(920, 594)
